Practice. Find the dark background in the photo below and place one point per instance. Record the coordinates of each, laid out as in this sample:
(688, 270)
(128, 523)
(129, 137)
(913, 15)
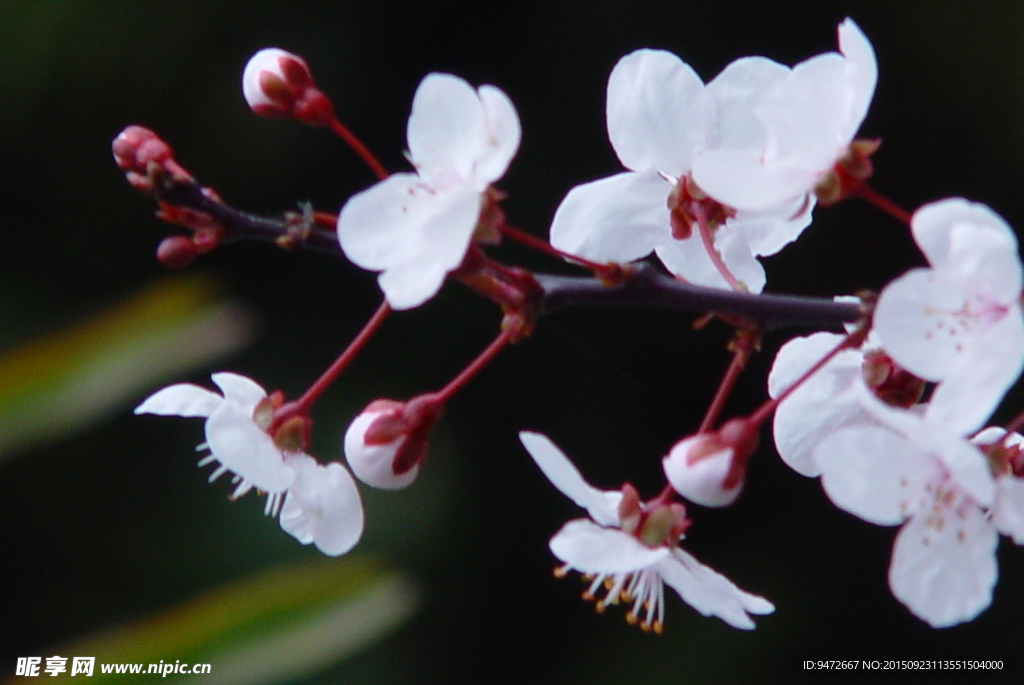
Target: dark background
(117, 523)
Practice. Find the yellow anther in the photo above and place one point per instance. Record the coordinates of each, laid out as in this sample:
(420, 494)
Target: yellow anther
(658, 628)
(631, 618)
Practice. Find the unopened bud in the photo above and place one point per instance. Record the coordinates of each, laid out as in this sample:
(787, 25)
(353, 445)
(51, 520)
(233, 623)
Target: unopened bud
(176, 251)
(710, 468)
(386, 444)
(138, 151)
(278, 84)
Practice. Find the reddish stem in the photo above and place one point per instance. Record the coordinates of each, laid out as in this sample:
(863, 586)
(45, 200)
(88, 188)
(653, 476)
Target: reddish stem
(480, 362)
(709, 246)
(547, 248)
(765, 410)
(868, 194)
(303, 404)
(357, 145)
(739, 362)
(1016, 424)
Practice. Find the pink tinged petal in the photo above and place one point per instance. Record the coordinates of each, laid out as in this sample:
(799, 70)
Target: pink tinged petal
(619, 218)
(589, 548)
(917, 322)
(600, 504)
(711, 593)
(874, 473)
(183, 399)
(658, 112)
(742, 179)
(698, 474)
(735, 92)
(769, 231)
(975, 384)
(943, 564)
(961, 460)
(861, 74)
(237, 443)
(244, 392)
(323, 506)
(1008, 510)
(948, 230)
(504, 133)
(689, 259)
(447, 130)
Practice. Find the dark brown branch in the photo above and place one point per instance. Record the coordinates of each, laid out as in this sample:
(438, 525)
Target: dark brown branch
(644, 286)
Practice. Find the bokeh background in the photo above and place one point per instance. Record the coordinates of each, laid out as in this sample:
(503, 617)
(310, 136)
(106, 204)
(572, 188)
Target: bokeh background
(107, 520)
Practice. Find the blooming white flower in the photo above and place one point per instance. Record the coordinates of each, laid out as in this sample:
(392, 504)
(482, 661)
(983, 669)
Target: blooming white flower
(235, 430)
(322, 506)
(958, 322)
(320, 503)
(415, 228)
(661, 119)
(809, 119)
(631, 549)
(941, 488)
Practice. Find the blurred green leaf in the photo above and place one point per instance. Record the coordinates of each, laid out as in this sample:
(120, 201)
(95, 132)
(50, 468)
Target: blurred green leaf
(274, 626)
(64, 381)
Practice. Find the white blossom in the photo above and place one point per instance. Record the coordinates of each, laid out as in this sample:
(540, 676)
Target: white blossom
(661, 119)
(415, 228)
(631, 549)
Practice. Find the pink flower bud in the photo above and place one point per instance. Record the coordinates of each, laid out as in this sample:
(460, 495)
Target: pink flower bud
(386, 444)
(278, 84)
(709, 468)
(176, 251)
(137, 149)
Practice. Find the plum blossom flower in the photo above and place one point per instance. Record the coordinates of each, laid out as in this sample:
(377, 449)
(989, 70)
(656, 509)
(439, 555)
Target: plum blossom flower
(913, 471)
(320, 503)
(809, 119)
(631, 549)
(661, 119)
(959, 322)
(415, 228)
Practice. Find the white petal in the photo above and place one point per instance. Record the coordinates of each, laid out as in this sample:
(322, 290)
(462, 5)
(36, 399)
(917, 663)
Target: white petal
(323, 506)
(949, 230)
(861, 74)
(377, 227)
(1008, 510)
(769, 231)
(824, 403)
(917, 322)
(658, 112)
(183, 399)
(709, 592)
(806, 116)
(589, 548)
(874, 473)
(701, 482)
(741, 179)
(735, 92)
(240, 445)
(689, 259)
(618, 218)
(504, 133)
(244, 392)
(415, 234)
(600, 504)
(944, 565)
(975, 384)
(447, 130)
